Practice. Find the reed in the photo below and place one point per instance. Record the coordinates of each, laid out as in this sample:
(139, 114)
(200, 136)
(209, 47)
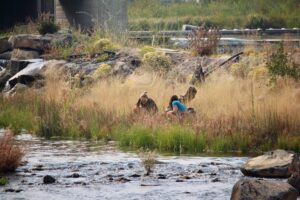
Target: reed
(11, 154)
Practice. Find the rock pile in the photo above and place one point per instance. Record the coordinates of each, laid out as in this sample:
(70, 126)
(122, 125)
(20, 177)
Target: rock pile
(273, 164)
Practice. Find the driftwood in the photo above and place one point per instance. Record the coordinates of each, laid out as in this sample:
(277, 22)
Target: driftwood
(189, 95)
(200, 75)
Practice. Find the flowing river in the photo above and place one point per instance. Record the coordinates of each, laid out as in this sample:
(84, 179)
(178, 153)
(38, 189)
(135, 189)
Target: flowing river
(91, 170)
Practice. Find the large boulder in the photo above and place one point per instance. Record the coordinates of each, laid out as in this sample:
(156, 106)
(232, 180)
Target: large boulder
(22, 54)
(36, 70)
(253, 189)
(273, 164)
(126, 66)
(25, 41)
(4, 44)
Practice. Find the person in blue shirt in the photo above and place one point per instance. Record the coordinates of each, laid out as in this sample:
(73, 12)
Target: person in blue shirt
(176, 107)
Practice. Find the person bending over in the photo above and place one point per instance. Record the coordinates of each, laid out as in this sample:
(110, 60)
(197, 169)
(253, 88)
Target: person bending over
(176, 107)
(145, 104)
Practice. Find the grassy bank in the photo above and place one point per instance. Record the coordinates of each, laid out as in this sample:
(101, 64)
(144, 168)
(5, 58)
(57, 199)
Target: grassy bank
(233, 114)
(154, 15)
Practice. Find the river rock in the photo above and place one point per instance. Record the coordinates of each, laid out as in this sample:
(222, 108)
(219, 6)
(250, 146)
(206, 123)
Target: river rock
(6, 55)
(294, 180)
(26, 41)
(48, 179)
(254, 189)
(24, 54)
(4, 44)
(273, 164)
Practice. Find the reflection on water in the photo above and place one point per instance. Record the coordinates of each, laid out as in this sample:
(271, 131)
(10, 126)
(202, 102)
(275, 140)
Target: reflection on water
(93, 170)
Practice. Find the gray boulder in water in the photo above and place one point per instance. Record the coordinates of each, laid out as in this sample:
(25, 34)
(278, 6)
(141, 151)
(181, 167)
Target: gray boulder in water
(254, 189)
(273, 164)
(27, 41)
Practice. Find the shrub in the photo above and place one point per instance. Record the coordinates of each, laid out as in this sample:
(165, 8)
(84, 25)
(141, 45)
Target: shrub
(148, 159)
(264, 23)
(158, 61)
(259, 72)
(239, 70)
(46, 24)
(146, 49)
(47, 27)
(10, 153)
(102, 71)
(280, 65)
(204, 41)
(102, 45)
(3, 181)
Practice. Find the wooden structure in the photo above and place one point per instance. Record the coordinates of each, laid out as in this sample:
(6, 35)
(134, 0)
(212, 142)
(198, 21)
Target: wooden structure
(85, 14)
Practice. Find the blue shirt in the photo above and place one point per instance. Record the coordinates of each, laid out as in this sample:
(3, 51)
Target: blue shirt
(179, 105)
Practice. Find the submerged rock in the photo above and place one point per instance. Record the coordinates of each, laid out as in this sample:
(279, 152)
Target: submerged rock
(273, 164)
(49, 179)
(255, 189)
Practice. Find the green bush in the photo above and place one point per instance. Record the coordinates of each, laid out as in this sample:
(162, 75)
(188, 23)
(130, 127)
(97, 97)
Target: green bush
(3, 181)
(157, 61)
(280, 65)
(45, 27)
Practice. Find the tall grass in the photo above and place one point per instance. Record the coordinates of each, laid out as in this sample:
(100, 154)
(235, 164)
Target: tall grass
(230, 116)
(155, 15)
(233, 113)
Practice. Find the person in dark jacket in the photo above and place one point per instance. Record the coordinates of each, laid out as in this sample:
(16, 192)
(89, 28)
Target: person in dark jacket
(146, 104)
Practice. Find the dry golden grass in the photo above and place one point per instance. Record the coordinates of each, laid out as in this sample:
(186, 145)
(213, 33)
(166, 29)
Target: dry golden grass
(117, 96)
(11, 154)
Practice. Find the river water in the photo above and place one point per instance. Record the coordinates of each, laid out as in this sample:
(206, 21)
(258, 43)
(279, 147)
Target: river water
(91, 170)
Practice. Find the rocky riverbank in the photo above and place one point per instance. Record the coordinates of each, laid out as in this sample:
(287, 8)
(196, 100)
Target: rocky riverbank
(25, 58)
